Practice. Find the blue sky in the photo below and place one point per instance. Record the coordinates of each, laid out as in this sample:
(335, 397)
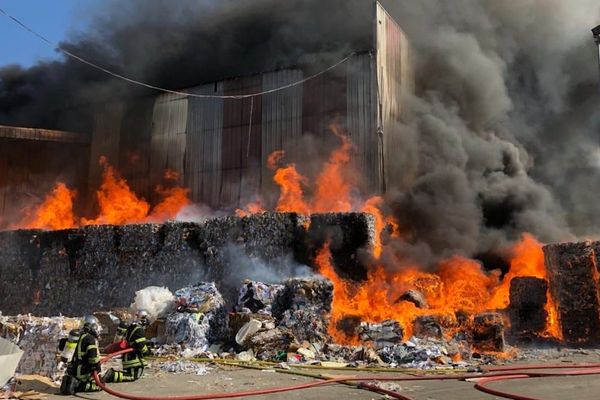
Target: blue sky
(54, 19)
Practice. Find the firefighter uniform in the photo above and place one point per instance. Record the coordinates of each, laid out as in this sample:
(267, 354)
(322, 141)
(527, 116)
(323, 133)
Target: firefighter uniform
(86, 359)
(133, 362)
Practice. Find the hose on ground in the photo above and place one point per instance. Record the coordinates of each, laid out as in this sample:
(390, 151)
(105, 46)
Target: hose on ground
(493, 374)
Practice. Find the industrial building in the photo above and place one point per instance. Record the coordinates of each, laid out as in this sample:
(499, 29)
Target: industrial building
(219, 146)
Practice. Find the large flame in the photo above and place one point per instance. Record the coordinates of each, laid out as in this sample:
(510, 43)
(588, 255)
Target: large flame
(117, 202)
(458, 285)
(56, 212)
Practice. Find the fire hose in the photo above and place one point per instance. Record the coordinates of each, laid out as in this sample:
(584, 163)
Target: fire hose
(493, 374)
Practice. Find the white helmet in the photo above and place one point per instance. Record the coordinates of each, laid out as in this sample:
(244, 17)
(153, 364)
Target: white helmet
(91, 324)
(141, 317)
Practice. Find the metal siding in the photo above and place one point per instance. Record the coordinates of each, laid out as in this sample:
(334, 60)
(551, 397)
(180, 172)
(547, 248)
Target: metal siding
(167, 143)
(134, 148)
(106, 136)
(281, 120)
(203, 146)
(362, 118)
(241, 145)
(394, 77)
(324, 102)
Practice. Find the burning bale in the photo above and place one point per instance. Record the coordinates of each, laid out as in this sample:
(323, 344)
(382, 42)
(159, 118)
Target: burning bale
(574, 284)
(428, 326)
(488, 332)
(386, 333)
(303, 306)
(527, 306)
(351, 236)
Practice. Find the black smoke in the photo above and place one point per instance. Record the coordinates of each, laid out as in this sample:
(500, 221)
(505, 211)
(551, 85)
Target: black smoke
(504, 126)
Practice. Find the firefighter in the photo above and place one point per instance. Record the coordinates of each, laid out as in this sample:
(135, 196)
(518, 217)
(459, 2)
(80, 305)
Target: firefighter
(133, 362)
(86, 360)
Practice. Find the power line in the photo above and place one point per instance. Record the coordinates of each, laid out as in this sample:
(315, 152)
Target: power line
(165, 90)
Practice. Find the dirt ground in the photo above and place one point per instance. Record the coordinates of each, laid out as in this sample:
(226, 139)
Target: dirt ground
(229, 379)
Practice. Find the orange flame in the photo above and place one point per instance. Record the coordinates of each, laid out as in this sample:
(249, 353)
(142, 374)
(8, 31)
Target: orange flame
(56, 212)
(118, 204)
(332, 187)
(173, 200)
(459, 285)
(251, 208)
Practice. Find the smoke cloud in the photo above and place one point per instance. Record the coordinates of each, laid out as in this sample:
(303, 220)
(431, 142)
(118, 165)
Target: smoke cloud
(502, 135)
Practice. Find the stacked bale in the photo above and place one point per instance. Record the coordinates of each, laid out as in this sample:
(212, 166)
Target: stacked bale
(573, 276)
(527, 301)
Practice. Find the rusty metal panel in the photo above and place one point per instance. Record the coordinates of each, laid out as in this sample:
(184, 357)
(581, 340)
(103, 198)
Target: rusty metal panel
(241, 144)
(106, 136)
(168, 137)
(361, 93)
(203, 145)
(394, 78)
(281, 119)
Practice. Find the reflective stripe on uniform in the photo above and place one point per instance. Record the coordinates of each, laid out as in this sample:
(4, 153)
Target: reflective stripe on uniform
(140, 340)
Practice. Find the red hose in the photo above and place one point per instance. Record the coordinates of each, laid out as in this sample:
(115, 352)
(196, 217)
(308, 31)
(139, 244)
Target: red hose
(504, 373)
(482, 388)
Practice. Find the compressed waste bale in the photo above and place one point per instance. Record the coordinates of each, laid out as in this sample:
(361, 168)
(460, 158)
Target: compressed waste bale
(350, 236)
(200, 318)
(303, 306)
(38, 338)
(527, 302)
(415, 297)
(428, 326)
(140, 239)
(488, 332)
(383, 334)
(272, 235)
(16, 275)
(268, 343)
(573, 277)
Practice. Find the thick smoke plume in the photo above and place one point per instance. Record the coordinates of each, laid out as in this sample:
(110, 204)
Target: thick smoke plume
(503, 133)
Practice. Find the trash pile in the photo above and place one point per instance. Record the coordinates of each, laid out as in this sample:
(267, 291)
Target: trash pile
(38, 337)
(200, 318)
(303, 307)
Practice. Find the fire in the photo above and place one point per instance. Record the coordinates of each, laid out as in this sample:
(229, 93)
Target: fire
(56, 212)
(118, 204)
(459, 285)
(332, 187)
(173, 200)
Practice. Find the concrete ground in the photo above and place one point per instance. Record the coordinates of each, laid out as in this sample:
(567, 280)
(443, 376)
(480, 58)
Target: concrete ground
(228, 379)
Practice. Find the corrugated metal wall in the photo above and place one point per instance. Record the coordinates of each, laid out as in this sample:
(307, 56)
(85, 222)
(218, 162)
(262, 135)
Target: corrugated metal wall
(394, 77)
(168, 137)
(105, 140)
(220, 146)
(203, 145)
(134, 148)
(361, 119)
(281, 120)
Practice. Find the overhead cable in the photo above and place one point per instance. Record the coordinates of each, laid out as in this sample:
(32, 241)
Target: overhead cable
(165, 90)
